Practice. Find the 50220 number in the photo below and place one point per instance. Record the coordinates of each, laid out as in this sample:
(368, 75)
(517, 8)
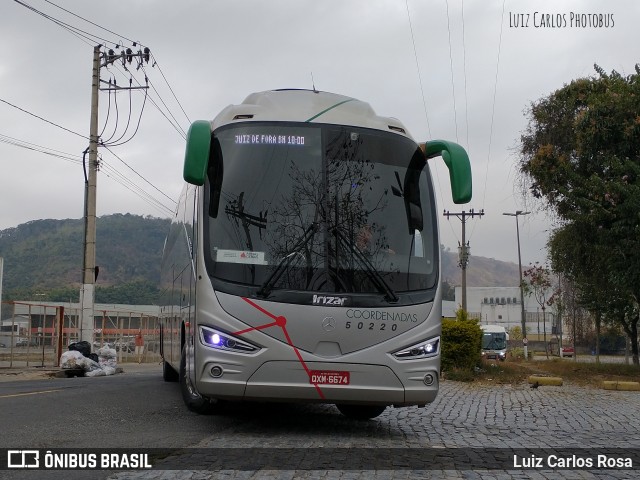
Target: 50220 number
(370, 326)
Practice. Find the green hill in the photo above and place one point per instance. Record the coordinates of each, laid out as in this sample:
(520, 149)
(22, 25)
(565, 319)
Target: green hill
(43, 259)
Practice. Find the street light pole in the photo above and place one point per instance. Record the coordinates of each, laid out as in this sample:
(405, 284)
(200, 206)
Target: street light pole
(524, 326)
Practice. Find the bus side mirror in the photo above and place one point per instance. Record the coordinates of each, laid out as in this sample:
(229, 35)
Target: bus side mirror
(457, 161)
(196, 157)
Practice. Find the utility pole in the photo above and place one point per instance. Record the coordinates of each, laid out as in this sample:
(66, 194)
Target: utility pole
(524, 325)
(89, 268)
(463, 249)
(87, 293)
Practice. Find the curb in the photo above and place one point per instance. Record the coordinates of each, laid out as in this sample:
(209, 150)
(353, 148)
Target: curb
(540, 380)
(76, 372)
(625, 386)
(69, 373)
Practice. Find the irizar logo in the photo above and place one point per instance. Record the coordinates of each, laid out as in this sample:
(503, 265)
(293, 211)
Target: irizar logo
(327, 300)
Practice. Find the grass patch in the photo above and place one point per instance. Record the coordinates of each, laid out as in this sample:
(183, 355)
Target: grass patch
(502, 373)
(459, 375)
(489, 372)
(515, 371)
(588, 373)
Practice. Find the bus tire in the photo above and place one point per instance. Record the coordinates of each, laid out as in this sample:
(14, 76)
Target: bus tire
(192, 399)
(169, 374)
(361, 412)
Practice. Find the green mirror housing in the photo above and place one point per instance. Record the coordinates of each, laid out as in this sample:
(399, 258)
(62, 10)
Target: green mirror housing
(457, 161)
(196, 157)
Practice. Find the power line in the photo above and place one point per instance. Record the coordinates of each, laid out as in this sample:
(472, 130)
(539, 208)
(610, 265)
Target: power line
(174, 123)
(111, 171)
(114, 174)
(168, 110)
(142, 177)
(75, 30)
(493, 106)
(464, 65)
(71, 131)
(85, 35)
(39, 148)
(92, 23)
(453, 85)
(155, 61)
(118, 142)
(43, 119)
(493, 110)
(415, 54)
(424, 104)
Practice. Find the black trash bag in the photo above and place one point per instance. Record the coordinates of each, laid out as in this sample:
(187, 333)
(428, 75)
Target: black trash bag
(94, 357)
(83, 347)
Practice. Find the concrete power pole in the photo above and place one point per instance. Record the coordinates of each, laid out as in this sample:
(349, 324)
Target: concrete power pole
(87, 292)
(463, 249)
(89, 269)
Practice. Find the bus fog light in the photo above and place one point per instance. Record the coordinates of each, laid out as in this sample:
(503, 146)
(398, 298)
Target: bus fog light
(216, 371)
(428, 379)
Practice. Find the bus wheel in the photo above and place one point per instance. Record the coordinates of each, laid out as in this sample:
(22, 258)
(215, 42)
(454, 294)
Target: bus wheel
(168, 373)
(192, 399)
(361, 412)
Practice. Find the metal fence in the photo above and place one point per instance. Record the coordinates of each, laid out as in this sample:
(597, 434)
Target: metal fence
(37, 334)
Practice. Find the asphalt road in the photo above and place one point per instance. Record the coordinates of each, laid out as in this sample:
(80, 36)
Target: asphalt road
(133, 409)
(469, 427)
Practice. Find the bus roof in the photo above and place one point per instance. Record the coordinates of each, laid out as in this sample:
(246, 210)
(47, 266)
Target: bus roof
(294, 105)
(493, 328)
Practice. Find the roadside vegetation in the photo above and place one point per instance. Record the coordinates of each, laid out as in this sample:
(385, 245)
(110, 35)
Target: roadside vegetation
(462, 362)
(515, 371)
(580, 164)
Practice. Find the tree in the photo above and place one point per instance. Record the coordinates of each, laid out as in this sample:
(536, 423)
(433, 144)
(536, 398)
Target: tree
(448, 291)
(580, 157)
(536, 282)
(515, 333)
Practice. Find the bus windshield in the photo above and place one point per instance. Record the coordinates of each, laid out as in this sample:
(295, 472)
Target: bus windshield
(494, 341)
(318, 208)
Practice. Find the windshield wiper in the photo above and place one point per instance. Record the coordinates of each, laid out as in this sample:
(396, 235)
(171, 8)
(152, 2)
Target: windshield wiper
(267, 286)
(390, 296)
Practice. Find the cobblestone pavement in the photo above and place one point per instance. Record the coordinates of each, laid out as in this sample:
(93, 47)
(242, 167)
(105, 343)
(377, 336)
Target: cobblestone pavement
(463, 422)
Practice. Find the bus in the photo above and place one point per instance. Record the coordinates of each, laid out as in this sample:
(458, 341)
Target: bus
(494, 342)
(303, 260)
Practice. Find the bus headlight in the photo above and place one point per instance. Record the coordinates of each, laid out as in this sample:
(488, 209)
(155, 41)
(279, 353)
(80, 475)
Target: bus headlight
(425, 349)
(223, 341)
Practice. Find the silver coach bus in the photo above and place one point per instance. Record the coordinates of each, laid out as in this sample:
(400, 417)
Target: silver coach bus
(303, 262)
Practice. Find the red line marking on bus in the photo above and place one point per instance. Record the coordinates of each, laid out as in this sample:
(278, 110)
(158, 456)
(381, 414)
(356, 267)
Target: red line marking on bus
(280, 321)
(255, 305)
(266, 325)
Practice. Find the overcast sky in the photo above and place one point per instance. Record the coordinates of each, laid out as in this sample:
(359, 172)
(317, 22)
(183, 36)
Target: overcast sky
(458, 70)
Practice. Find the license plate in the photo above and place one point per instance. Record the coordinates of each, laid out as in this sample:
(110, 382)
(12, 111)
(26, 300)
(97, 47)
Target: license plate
(319, 377)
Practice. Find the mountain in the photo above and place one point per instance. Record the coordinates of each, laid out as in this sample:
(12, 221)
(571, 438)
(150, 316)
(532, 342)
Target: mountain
(43, 260)
(481, 271)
